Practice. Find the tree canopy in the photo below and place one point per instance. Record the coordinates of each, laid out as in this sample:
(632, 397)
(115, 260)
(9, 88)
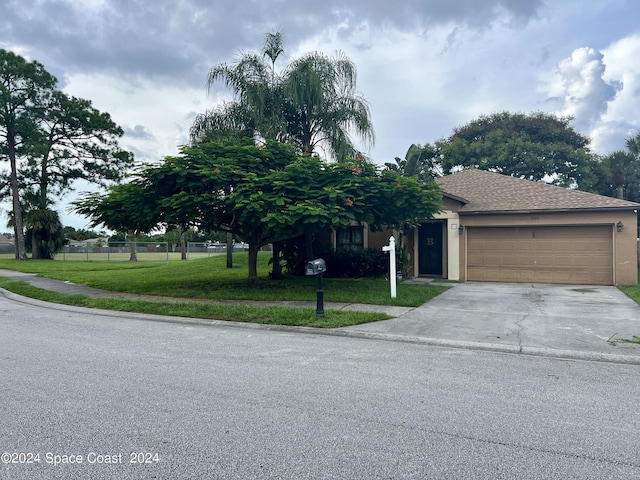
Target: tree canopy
(73, 141)
(538, 146)
(264, 194)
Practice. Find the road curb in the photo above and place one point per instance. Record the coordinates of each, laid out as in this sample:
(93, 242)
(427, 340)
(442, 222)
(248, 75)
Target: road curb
(436, 342)
(499, 348)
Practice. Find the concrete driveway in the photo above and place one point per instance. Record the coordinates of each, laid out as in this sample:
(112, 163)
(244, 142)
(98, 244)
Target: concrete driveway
(571, 320)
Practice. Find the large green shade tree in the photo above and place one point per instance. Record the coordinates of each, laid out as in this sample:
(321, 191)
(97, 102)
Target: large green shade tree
(538, 146)
(262, 194)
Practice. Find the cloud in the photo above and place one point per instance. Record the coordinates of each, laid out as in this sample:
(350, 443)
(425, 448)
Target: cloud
(621, 58)
(159, 112)
(425, 66)
(580, 88)
(138, 131)
(180, 38)
(601, 89)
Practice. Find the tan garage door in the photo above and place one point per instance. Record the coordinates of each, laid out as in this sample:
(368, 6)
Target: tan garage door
(573, 255)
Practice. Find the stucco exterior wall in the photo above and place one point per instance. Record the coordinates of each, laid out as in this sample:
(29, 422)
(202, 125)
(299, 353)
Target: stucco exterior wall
(379, 239)
(626, 249)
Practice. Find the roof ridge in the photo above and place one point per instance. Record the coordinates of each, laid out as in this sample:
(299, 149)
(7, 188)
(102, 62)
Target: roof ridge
(492, 192)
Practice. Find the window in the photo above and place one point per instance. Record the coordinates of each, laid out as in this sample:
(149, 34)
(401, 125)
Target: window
(350, 238)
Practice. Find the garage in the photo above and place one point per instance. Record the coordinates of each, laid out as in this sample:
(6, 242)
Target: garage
(581, 254)
(498, 228)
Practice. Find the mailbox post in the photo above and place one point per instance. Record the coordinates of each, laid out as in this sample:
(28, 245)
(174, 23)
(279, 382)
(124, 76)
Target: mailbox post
(317, 267)
(391, 248)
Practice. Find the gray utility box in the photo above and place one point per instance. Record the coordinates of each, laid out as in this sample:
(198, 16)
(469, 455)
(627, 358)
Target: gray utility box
(315, 267)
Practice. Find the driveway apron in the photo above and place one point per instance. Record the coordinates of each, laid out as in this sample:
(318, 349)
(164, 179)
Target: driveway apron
(537, 316)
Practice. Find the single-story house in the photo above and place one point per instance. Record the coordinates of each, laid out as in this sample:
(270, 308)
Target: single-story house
(494, 227)
(4, 240)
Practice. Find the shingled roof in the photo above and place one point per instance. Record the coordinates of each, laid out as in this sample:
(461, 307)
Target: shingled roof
(481, 191)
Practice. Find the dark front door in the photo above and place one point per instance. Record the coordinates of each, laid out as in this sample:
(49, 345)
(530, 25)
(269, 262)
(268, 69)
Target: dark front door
(430, 249)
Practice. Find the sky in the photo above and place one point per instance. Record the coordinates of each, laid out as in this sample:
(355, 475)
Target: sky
(425, 66)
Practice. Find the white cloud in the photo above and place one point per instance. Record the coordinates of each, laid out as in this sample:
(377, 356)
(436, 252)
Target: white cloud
(421, 85)
(164, 112)
(581, 88)
(623, 68)
(601, 89)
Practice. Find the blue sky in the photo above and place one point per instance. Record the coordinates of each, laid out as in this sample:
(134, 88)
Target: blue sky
(425, 66)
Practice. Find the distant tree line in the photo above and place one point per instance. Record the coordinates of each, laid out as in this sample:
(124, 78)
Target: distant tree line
(538, 146)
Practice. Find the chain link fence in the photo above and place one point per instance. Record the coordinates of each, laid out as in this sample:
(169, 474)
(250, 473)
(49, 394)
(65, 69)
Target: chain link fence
(115, 252)
(7, 249)
(145, 251)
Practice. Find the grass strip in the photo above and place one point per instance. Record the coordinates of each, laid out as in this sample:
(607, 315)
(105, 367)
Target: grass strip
(208, 278)
(632, 291)
(214, 311)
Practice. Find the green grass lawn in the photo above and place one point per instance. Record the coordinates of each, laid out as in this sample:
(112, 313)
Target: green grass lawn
(632, 291)
(201, 309)
(208, 280)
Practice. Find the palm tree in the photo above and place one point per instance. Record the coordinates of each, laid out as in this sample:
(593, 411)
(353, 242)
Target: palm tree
(255, 86)
(633, 180)
(312, 103)
(633, 145)
(322, 108)
(226, 121)
(45, 230)
(621, 165)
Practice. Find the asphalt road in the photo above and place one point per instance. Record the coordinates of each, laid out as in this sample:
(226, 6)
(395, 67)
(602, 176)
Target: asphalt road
(189, 400)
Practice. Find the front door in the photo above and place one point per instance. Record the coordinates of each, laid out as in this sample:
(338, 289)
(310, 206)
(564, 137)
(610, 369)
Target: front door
(430, 249)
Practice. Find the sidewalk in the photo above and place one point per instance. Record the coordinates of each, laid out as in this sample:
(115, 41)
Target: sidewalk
(69, 288)
(562, 321)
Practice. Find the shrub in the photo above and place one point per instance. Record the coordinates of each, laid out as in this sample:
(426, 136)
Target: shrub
(346, 263)
(369, 262)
